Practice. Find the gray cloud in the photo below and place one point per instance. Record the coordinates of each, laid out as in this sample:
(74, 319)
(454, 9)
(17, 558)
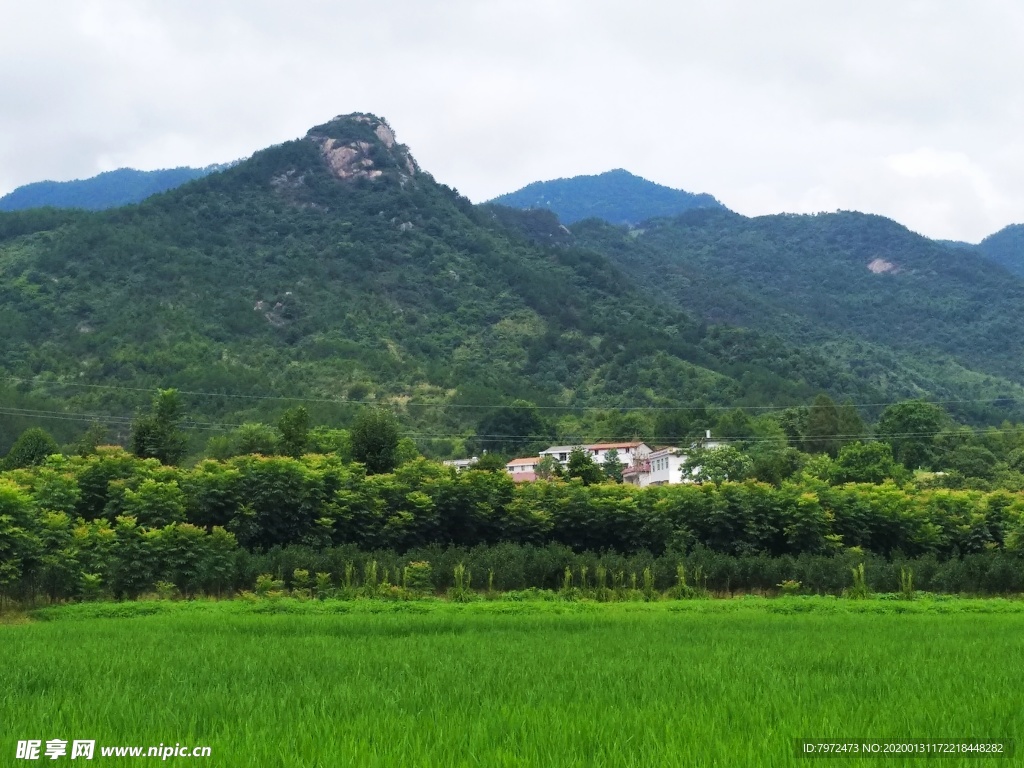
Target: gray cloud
(910, 110)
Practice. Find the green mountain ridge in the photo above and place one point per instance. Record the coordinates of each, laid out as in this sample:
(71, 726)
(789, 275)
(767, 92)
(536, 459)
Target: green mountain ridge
(616, 196)
(333, 269)
(902, 312)
(110, 189)
(1006, 247)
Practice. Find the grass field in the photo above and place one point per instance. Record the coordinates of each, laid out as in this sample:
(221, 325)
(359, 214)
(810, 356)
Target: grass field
(699, 683)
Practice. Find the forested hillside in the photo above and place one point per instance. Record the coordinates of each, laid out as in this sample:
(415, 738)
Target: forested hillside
(1006, 247)
(905, 314)
(331, 268)
(107, 190)
(615, 196)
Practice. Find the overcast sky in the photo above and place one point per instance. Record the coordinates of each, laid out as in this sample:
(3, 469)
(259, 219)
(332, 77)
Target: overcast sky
(909, 109)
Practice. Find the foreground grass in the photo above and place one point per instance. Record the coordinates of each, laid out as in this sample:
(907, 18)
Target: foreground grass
(730, 683)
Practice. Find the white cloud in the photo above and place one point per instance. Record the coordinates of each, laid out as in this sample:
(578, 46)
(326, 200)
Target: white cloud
(910, 110)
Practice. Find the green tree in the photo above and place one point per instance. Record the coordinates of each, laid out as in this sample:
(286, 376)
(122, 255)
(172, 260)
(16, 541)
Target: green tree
(851, 425)
(490, 462)
(156, 435)
(375, 440)
(734, 425)
(866, 463)
(548, 468)
(612, 467)
(407, 451)
(253, 437)
(581, 465)
(94, 436)
(30, 449)
(327, 440)
(511, 429)
(911, 429)
(822, 433)
(716, 465)
(772, 458)
(972, 461)
(294, 429)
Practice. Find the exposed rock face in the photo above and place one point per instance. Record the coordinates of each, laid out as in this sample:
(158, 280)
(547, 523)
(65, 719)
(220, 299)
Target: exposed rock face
(348, 161)
(881, 266)
(361, 146)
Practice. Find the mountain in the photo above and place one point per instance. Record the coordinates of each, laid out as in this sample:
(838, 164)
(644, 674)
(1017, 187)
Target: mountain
(616, 196)
(1006, 247)
(332, 268)
(107, 190)
(905, 314)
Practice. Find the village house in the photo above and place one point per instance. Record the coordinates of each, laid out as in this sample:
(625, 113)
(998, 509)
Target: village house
(642, 466)
(523, 470)
(461, 464)
(665, 465)
(628, 453)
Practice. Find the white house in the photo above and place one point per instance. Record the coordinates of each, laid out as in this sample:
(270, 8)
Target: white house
(460, 464)
(628, 453)
(559, 453)
(665, 465)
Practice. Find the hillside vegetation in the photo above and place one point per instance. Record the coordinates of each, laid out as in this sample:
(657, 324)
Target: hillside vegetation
(332, 268)
(615, 196)
(1006, 247)
(904, 314)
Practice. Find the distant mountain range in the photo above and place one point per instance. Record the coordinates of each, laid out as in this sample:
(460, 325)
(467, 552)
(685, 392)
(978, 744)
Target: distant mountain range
(107, 190)
(616, 196)
(1006, 247)
(333, 268)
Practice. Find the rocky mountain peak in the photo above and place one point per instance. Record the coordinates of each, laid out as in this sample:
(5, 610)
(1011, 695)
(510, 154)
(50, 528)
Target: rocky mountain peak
(362, 146)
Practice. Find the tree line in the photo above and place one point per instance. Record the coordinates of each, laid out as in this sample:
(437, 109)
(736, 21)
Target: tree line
(114, 522)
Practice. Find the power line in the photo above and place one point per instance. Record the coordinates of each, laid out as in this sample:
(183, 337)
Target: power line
(346, 401)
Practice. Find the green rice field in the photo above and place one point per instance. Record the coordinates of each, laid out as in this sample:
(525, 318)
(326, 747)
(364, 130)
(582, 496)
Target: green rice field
(499, 683)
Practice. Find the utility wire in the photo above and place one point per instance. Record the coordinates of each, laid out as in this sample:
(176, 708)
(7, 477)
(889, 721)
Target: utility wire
(345, 401)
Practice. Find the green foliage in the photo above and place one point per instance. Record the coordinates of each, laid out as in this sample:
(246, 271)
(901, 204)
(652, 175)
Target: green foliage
(615, 196)
(374, 440)
(512, 430)
(716, 465)
(612, 467)
(294, 429)
(548, 468)
(581, 465)
(911, 429)
(866, 463)
(859, 590)
(253, 438)
(490, 462)
(883, 308)
(1006, 247)
(822, 433)
(30, 449)
(157, 435)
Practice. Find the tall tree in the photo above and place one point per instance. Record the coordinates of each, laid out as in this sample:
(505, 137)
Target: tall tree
(581, 465)
(612, 467)
(375, 440)
(512, 429)
(156, 435)
(822, 435)
(911, 428)
(294, 428)
(717, 465)
(31, 448)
